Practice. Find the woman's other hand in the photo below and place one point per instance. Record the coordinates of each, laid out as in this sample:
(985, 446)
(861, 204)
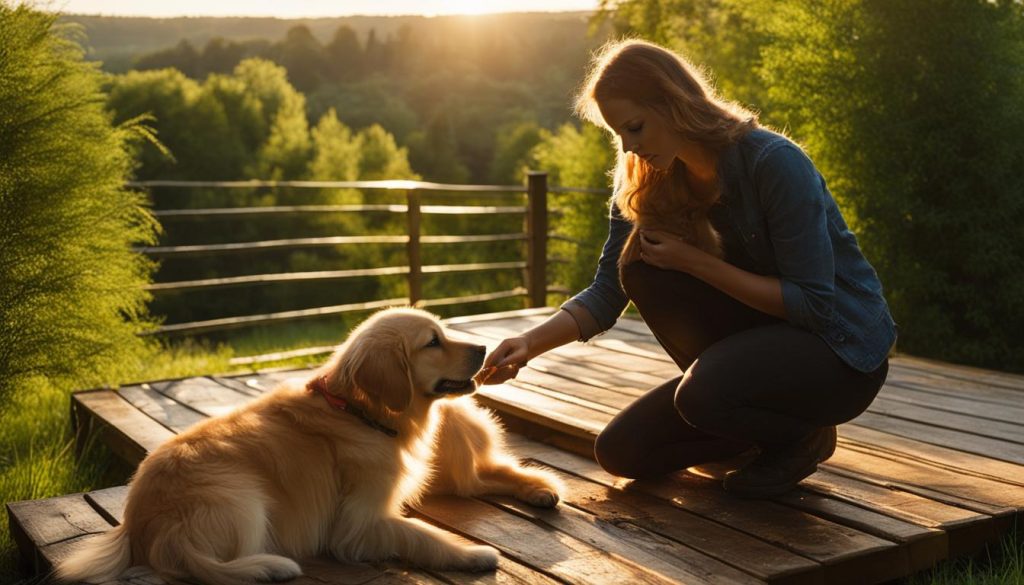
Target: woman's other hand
(664, 250)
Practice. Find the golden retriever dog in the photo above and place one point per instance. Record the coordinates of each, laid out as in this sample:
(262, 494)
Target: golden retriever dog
(325, 467)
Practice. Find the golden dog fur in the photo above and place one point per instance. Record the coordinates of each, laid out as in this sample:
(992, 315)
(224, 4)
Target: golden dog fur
(236, 498)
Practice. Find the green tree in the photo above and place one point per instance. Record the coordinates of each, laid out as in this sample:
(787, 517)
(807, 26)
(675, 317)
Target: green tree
(302, 56)
(336, 155)
(165, 94)
(220, 56)
(182, 57)
(344, 55)
(436, 148)
(71, 290)
(514, 143)
(286, 152)
(380, 157)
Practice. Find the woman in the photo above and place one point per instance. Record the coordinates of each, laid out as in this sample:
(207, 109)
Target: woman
(780, 339)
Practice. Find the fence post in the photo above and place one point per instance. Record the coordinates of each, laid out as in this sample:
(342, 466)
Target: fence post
(537, 238)
(412, 214)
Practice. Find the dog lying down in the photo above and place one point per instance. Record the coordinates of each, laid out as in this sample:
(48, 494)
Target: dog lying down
(328, 467)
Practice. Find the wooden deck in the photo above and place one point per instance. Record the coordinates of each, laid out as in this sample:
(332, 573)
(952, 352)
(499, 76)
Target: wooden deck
(933, 470)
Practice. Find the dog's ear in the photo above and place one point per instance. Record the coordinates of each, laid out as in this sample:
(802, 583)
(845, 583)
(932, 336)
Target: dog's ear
(384, 375)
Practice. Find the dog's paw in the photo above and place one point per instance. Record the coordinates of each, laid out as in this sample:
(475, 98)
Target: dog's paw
(478, 558)
(541, 497)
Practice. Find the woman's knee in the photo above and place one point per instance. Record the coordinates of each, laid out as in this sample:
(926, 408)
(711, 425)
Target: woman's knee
(643, 282)
(700, 403)
(616, 453)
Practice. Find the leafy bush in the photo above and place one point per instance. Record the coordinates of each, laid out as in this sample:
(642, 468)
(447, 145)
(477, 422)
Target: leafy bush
(71, 289)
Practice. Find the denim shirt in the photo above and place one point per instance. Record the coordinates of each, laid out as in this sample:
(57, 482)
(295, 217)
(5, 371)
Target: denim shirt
(791, 228)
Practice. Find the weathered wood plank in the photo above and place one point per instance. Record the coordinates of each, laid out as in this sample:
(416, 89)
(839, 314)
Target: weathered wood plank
(548, 551)
(166, 411)
(975, 493)
(655, 553)
(932, 382)
(735, 548)
(617, 398)
(45, 529)
(203, 395)
(965, 530)
(993, 448)
(944, 457)
(571, 418)
(963, 404)
(238, 384)
(509, 573)
(968, 373)
(125, 429)
(1008, 432)
(838, 548)
(109, 503)
(922, 546)
(558, 363)
(657, 368)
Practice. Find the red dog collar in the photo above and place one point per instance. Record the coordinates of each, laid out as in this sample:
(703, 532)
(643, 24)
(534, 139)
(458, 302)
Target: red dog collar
(319, 385)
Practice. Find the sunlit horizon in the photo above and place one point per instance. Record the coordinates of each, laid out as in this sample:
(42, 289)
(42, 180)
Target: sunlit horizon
(313, 8)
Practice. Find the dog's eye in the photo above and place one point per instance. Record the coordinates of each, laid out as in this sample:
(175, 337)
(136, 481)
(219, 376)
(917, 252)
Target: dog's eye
(435, 341)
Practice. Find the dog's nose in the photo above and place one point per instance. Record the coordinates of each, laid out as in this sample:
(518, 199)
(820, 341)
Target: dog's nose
(480, 349)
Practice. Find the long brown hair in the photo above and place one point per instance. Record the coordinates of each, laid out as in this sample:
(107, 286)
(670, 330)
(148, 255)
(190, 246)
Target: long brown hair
(666, 83)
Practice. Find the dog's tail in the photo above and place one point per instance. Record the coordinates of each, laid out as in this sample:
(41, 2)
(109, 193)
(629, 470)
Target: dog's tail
(100, 558)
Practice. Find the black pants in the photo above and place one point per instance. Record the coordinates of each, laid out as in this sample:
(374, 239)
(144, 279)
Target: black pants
(748, 379)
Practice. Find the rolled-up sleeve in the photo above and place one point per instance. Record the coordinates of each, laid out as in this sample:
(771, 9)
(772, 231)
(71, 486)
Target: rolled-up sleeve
(793, 197)
(597, 307)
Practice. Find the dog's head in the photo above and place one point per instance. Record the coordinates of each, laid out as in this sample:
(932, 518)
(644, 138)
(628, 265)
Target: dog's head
(399, 355)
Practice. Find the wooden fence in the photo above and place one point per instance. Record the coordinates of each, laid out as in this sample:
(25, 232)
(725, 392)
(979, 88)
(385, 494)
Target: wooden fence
(535, 233)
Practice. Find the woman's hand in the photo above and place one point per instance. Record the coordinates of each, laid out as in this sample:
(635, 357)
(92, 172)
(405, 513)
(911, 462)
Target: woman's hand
(664, 250)
(504, 362)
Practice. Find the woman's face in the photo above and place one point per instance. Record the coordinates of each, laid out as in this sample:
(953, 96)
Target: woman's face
(643, 131)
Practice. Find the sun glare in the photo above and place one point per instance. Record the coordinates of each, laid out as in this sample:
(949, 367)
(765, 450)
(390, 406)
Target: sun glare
(315, 8)
(468, 7)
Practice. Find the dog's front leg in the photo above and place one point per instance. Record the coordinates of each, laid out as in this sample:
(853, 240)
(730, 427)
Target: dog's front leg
(470, 459)
(415, 542)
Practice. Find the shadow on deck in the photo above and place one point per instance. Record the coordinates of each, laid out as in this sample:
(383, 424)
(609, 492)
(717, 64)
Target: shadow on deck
(933, 470)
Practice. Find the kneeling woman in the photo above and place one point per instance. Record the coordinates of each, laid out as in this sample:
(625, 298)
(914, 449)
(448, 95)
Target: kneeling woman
(777, 321)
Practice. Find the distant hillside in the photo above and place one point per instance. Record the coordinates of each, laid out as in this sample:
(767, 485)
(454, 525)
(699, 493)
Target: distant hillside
(117, 41)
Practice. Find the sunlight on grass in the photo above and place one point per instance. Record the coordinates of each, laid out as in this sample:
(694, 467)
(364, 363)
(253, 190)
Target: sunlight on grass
(37, 458)
(1000, 564)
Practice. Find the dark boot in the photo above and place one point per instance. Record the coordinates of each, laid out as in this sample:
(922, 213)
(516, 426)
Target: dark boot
(778, 470)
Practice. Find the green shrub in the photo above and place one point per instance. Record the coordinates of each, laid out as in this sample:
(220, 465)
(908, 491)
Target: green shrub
(71, 289)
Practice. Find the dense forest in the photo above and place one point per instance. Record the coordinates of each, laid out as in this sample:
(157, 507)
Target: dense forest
(446, 88)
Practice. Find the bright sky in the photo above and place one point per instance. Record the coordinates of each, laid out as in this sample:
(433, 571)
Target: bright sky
(311, 8)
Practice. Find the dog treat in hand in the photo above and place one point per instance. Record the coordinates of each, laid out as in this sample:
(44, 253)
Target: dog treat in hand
(483, 375)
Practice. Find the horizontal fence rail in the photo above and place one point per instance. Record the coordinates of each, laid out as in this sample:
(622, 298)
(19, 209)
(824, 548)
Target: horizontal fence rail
(391, 185)
(327, 275)
(198, 250)
(535, 234)
(293, 209)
